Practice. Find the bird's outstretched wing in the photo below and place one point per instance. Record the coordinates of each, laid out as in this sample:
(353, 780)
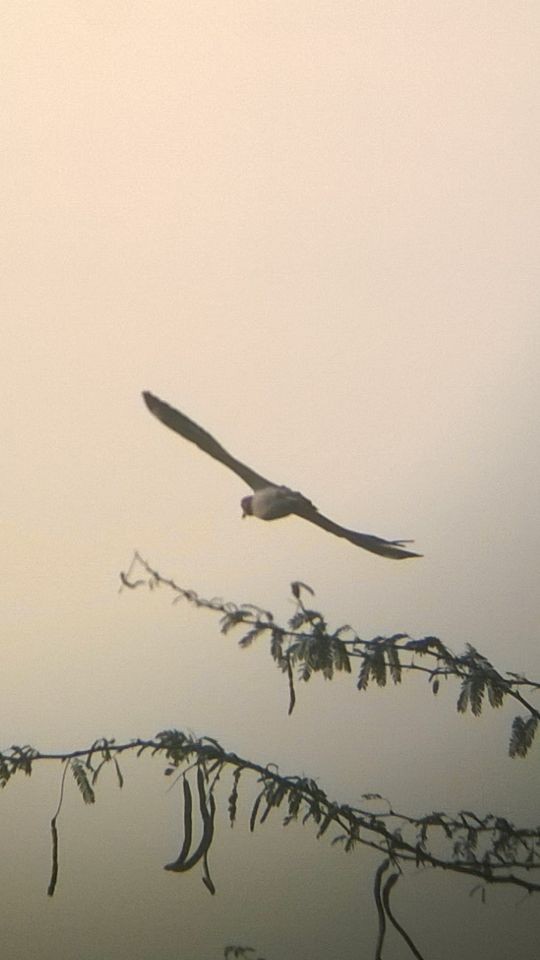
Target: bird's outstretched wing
(191, 431)
(386, 548)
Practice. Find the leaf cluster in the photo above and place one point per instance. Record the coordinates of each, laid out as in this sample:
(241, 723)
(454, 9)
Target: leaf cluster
(306, 645)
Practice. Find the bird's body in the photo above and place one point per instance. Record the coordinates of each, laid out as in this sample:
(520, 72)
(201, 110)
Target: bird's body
(269, 501)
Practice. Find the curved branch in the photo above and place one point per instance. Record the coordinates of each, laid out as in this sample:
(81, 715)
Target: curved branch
(307, 644)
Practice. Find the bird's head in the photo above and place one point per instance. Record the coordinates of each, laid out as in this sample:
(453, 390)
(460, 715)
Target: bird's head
(247, 506)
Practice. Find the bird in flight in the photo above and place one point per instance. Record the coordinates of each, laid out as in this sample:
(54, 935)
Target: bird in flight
(269, 501)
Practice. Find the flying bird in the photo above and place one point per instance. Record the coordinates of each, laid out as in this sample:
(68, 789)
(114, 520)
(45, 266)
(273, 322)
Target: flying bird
(269, 500)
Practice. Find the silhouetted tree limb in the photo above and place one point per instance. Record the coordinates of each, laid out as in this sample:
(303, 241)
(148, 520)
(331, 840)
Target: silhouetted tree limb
(307, 645)
(488, 848)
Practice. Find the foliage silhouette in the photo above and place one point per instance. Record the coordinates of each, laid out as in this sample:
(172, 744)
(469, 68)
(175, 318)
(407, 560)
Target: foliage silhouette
(487, 848)
(307, 645)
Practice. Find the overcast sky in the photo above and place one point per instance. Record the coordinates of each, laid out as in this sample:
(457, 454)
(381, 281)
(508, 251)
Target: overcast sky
(313, 227)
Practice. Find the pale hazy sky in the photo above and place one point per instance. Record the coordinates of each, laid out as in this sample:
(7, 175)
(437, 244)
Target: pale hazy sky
(312, 226)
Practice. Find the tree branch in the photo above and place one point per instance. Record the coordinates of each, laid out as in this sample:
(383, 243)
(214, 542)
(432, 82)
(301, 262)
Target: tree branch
(307, 644)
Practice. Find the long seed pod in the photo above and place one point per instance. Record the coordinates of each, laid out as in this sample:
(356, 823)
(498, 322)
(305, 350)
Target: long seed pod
(184, 863)
(178, 864)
